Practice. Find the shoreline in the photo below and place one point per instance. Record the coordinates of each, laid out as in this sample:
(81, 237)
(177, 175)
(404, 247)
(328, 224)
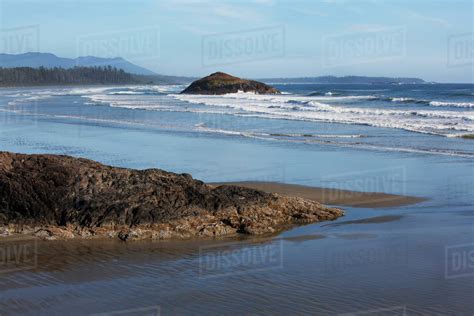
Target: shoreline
(329, 196)
(63, 197)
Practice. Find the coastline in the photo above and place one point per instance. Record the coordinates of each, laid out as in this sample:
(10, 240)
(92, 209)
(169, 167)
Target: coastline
(91, 201)
(62, 197)
(330, 196)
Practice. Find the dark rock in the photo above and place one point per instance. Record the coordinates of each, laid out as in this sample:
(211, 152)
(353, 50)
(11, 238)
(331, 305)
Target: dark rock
(222, 83)
(67, 197)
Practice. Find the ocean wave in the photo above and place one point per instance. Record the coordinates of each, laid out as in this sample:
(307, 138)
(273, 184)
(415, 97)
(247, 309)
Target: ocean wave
(127, 93)
(87, 91)
(317, 93)
(293, 107)
(80, 91)
(318, 108)
(461, 94)
(246, 97)
(409, 100)
(454, 104)
(29, 98)
(432, 103)
(423, 121)
(202, 127)
(316, 135)
(309, 138)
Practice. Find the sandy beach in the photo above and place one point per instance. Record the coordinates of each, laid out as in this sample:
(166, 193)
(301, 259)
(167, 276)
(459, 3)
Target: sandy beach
(332, 196)
(323, 199)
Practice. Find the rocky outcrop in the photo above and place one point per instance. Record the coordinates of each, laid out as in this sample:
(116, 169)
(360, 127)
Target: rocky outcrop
(222, 83)
(54, 196)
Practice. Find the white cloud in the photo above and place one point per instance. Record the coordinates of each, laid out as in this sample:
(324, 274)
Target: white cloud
(367, 27)
(425, 18)
(209, 10)
(306, 11)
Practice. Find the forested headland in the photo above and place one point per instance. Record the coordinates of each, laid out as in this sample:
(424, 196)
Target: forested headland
(27, 76)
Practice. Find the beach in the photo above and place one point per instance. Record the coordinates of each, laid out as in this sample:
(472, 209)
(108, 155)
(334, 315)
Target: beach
(333, 196)
(92, 200)
(386, 253)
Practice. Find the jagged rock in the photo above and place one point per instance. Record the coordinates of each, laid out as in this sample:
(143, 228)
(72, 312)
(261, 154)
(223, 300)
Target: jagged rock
(60, 196)
(222, 83)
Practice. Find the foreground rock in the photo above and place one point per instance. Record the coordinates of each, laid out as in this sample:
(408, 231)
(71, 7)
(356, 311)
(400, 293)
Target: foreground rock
(64, 197)
(222, 83)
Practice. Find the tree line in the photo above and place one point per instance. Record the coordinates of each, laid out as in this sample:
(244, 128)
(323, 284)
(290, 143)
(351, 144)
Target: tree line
(27, 76)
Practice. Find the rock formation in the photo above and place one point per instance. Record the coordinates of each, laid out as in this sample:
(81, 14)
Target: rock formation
(55, 196)
(222, 83)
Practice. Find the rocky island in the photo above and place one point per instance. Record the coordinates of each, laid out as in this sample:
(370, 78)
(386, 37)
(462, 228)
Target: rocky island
(222, 83)
(61, 197)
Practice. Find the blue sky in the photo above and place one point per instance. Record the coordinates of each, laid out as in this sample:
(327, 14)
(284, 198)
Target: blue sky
(306, 38)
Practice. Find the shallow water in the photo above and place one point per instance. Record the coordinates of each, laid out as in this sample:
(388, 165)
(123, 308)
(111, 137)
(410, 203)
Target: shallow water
(410, 263)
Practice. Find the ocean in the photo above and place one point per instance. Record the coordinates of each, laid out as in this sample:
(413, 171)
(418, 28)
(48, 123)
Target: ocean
(401, 139)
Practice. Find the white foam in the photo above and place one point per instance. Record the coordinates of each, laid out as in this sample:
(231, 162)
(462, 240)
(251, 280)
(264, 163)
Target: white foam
(249, 96)
(434, 103)
(455, 104)
(202, 127)
(401, 99)
(292, 107)
(127, 93)
(274, 137)
(282, 107)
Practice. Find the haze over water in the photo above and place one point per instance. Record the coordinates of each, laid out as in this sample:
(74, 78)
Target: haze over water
(383, 138)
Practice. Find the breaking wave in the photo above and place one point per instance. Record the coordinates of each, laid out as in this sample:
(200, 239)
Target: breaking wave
(439, 122)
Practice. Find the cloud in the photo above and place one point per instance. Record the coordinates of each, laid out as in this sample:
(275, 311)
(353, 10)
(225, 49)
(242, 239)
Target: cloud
(367, 27)
(308, 12)
(266, 2)
(209, 10)
(418, 16)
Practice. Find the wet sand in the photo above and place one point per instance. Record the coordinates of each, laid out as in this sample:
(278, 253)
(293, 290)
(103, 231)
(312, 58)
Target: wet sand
(304, 238)
(333, 196)
(370, 220)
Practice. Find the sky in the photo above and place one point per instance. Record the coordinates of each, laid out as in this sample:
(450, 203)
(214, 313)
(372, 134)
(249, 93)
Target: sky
(429, 39)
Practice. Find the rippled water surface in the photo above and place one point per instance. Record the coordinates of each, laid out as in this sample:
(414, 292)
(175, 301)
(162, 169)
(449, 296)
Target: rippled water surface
(393, 139)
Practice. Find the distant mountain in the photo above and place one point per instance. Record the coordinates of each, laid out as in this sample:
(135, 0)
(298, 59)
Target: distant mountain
(47, 60)
(347, 80)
